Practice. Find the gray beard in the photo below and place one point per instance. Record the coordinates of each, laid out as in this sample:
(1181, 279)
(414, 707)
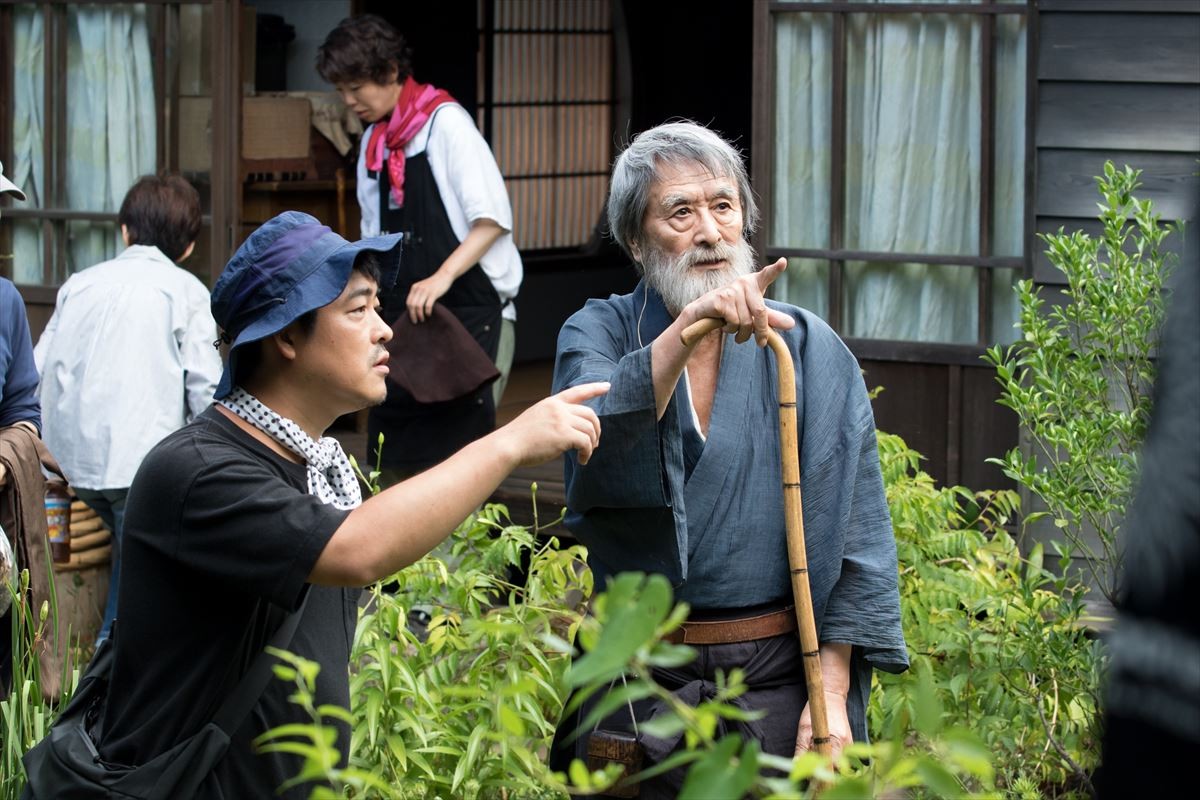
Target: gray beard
(678, 284)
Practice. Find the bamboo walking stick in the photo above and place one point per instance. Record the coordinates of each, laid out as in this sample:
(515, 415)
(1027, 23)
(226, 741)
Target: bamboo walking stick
(794, 519)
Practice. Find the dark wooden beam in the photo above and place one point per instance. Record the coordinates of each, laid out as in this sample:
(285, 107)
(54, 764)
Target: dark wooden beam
(1126, 6)
(954, 424)
(762, 127)
(1159, 117)
(964, 260)
(1119, 48)
(837, 175)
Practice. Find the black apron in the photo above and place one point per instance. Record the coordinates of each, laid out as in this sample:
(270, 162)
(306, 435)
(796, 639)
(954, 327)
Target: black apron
(419, 435)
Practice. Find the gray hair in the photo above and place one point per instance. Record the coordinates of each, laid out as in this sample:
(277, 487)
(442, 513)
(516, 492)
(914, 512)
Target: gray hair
(636, 169)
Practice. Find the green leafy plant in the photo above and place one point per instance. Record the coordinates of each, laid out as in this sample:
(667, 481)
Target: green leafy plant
(25, 714)
(1001, 700)
(314, 742)
(1079, 378)
(469, 710)
(623, 642)
(1001, 638)
(464, 706)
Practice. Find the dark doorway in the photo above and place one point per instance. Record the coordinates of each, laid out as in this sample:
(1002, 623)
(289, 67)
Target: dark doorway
(444, 40)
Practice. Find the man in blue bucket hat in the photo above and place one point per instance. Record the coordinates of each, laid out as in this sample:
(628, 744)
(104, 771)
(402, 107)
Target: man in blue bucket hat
(234, 519)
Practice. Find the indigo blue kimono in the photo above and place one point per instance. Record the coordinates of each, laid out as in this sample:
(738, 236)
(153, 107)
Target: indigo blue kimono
(656, 497)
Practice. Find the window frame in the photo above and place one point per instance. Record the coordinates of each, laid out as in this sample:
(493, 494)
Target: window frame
(226, 121)
(765, 15)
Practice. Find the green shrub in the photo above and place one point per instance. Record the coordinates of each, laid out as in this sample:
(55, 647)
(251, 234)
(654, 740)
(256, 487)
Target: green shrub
(1001, 636)
(26, 715)
(469, 711)
(921, 756)
(1002, 692)
(1079, 379)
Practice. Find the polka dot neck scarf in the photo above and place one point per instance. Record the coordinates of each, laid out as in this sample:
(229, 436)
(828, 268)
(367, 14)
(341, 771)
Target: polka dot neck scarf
(330, 476)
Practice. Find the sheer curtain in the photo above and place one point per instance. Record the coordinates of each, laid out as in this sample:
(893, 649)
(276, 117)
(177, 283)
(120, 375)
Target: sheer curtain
(111, 126)
(913, 165)
(27, 168)
(800, 196)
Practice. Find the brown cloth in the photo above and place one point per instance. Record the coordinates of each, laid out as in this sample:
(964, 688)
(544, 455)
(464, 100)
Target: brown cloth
(80, 597)
(437, 360)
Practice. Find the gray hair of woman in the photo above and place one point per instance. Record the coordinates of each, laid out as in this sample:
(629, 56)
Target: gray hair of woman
(636, 170)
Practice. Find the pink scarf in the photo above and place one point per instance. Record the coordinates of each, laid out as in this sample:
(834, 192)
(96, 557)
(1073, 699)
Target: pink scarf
(417, 102)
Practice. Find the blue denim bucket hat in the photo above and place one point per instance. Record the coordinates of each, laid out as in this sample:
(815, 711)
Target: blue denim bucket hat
(291, 265)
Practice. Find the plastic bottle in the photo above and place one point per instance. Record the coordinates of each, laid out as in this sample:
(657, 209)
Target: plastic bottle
(58, 520)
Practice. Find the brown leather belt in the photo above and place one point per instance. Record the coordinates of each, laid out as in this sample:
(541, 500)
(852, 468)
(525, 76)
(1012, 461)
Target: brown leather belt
(728, 631)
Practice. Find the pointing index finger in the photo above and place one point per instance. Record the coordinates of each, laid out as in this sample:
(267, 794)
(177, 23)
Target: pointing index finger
(582, 392)
(768, 274)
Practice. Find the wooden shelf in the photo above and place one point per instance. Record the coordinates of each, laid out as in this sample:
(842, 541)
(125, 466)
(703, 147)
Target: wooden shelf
(296, 186)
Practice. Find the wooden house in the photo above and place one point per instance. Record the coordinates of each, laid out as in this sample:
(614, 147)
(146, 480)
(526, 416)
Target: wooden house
(906, 154)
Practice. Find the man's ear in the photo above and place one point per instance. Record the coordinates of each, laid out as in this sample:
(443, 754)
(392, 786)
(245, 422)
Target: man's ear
(285, 342)
(635, 250)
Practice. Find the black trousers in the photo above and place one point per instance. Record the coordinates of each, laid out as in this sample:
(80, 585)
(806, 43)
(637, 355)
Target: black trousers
(775, 677)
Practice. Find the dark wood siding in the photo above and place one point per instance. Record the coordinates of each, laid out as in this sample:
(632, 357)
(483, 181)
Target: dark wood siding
(1114, 116)
(1117, 80)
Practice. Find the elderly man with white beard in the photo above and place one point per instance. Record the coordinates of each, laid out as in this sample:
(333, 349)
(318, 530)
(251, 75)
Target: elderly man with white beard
(687, 482)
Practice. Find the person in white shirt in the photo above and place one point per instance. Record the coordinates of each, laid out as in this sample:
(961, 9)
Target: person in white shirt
(425, 170)
(129, 354)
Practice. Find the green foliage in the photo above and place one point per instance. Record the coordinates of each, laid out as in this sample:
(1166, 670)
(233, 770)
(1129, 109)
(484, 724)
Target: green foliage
(1001, 700)
(371, 479)
(316, 743)
(26, 715)
(1080, 376)
(623, 641)
(998, 637)
(469, 711)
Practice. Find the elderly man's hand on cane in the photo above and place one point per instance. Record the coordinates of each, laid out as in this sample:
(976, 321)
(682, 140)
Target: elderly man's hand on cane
(835, 675)
(839, 725)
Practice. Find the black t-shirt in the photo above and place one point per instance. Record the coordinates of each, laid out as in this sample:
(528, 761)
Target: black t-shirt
(220, 536)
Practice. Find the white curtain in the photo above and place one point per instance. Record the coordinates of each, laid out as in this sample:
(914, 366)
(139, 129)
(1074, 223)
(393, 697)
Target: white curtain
(912, 164)
(913, 95)
(803, 64)
(27, 168)
(111, 126)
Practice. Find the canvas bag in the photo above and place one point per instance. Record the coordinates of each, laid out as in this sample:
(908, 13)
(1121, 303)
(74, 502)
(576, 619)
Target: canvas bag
(66, 764)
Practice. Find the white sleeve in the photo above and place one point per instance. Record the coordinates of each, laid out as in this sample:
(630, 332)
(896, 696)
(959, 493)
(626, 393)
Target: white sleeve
(43, 344)
(367, 189)
(471, 171)
(201, 362)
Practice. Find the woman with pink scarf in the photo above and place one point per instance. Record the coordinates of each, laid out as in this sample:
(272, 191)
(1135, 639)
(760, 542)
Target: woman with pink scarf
(424, 170)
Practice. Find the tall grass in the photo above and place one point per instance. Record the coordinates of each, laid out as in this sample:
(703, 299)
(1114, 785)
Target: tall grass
(26, 714)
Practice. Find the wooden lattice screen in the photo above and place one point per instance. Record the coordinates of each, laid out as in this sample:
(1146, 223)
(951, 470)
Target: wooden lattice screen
(546, 78)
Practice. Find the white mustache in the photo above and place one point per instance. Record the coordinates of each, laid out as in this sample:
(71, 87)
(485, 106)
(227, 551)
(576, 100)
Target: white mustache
(705, 254)
(678, 284)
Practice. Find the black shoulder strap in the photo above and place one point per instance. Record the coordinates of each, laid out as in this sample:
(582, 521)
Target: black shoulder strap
(433, 119)
(245, 695)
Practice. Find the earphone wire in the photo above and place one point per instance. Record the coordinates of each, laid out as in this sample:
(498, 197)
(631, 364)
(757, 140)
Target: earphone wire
(645, 297)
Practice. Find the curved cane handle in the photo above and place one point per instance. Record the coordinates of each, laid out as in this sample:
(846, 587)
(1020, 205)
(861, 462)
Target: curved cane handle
(698, 330)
